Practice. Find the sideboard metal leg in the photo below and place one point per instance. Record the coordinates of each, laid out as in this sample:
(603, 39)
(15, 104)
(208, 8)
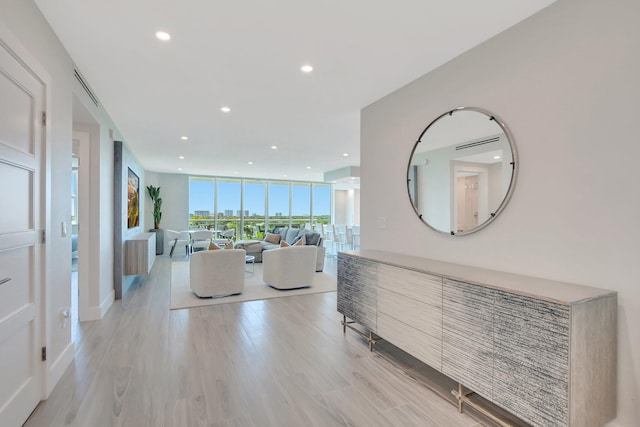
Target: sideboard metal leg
(463, 398)
(371, 339)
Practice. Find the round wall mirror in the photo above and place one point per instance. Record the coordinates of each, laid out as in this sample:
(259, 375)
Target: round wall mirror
(462, 171)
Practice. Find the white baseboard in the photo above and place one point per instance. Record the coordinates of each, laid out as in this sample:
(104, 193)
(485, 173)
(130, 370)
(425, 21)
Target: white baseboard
(106, 304)
(98, 312)
(57, 368)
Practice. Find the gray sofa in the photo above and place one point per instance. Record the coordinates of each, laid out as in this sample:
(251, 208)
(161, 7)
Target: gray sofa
(289, 235)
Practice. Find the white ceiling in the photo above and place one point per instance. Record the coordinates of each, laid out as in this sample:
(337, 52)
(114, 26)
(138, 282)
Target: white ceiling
(247, 55)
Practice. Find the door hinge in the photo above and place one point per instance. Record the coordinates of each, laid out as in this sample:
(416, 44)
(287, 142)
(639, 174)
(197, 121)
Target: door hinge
(44, 354)
(44, 236)
(44, 118)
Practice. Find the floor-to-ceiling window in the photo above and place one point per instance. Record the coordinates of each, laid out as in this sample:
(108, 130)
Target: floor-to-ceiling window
(202, 203)
(301, 204)
(321, 204)
(253, 206)
(229, 205)
(279, 204)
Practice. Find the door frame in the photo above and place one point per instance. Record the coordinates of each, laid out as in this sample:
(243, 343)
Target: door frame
(84, 141)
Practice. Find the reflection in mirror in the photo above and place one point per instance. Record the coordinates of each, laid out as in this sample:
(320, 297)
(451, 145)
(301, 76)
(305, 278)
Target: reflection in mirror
(462, 171)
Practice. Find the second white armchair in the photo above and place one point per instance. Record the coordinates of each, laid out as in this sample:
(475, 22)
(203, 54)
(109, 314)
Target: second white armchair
(290, 267)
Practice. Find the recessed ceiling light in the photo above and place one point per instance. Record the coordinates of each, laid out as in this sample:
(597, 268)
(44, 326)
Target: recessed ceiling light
(306, 68)
(496, 157)
(250, 163)
(235, 173)
(274, 147)
(308, 167)
(161, 35)
(179, 169)
(225, 109)
(284, 175)
(181, 157)
(184, 138)
(345, 154)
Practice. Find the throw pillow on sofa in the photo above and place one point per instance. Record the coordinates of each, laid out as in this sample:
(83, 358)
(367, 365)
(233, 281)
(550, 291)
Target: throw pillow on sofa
(300, 238)
(298, 242)
(272, 238)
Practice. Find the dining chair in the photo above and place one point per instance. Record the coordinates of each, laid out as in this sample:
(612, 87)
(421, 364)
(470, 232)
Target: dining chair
(226, 237)
(177, 239)
(355, 236)
(348, 238)
(340, 237)
(201, 239)
(328, 238)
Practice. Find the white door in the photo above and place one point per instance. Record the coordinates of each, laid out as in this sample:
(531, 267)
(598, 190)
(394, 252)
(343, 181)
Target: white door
(21, 109)
(469, 196)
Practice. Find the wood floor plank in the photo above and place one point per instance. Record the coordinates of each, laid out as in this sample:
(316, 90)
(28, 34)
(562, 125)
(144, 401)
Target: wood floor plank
(278, 362)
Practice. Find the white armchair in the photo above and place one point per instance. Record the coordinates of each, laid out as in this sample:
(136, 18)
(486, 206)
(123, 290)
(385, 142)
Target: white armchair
(290, 267)
(217, 273)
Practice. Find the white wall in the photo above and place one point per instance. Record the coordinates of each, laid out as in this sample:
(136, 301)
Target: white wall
(340, 206)
(174, 190)
(566, 84)
(356, 206)
(346, 206)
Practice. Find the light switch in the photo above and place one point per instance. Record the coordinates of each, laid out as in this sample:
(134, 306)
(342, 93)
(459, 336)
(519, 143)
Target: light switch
(63, 228)
(382, 222)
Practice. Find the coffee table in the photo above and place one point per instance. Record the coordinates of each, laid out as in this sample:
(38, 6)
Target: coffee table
(250, 259)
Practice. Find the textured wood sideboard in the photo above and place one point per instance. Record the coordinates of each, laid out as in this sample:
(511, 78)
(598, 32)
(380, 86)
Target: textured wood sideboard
(139, 253)
(543, 350)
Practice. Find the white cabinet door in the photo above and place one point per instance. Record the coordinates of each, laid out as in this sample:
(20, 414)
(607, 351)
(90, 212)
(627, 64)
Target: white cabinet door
(21, 107)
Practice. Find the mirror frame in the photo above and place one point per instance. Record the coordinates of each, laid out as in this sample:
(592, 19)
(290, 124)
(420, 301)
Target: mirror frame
(512, 183)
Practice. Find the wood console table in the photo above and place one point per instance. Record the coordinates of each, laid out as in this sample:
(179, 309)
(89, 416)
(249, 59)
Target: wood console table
(543, 350)
(139, 253)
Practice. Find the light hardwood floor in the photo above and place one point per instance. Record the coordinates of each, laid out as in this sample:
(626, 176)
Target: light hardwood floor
(278, 362)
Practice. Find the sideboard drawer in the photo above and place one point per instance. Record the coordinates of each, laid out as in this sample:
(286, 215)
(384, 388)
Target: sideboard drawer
(413, 284)
(423, 346)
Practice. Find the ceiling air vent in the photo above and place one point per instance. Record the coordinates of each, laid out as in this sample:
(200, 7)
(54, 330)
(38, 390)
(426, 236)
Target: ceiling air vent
(85, 86)
(477, 143)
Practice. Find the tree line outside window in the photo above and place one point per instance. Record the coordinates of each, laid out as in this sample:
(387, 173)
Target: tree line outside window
(254, 206)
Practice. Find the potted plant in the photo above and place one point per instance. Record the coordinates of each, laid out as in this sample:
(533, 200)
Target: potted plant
(154, 194)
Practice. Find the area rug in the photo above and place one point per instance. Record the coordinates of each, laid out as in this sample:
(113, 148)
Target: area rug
(254, 288)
